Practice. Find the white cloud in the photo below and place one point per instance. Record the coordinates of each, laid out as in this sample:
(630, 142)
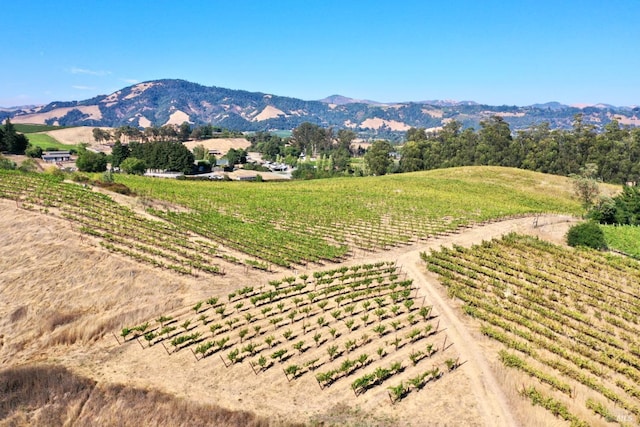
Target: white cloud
(79, 87)
(76, 70)
(130, 81)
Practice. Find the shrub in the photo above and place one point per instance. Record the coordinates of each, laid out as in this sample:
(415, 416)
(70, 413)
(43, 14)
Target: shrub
(33, 151)
(6, 163)
(587, 234)
(28, 165)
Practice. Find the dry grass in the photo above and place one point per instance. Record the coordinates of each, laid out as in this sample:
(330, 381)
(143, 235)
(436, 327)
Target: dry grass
(63, 296)
(40, 395)
(45, 395)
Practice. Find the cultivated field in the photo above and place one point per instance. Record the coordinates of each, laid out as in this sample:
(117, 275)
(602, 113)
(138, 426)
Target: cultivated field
(624, 238)
(308, 302)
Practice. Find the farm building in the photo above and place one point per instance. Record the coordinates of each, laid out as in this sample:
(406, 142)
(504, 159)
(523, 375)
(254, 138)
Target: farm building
(56, 156)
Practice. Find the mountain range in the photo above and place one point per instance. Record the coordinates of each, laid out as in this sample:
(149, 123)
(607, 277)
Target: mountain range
(171, 101)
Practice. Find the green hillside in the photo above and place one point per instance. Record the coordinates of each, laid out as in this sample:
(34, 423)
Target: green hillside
(368, 213)
(292, 223)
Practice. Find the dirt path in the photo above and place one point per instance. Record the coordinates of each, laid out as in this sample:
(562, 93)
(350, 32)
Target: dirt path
(491, 399)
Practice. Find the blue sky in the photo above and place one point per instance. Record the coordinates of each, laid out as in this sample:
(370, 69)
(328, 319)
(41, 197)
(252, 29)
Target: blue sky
(515, 52)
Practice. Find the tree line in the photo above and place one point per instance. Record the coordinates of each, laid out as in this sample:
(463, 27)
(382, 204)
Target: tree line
(183, 132)
(331, 149)
(615, 151)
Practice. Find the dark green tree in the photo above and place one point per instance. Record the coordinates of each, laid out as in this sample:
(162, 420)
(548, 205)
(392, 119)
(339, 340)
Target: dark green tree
(184, 132)
(495, 143)
(416, 134)
(378, 158)
(12, 141)
(90, 161)
(411, 157)
(345, 138)
(341, 159)
(309, 138)
(236, 156)
(119, 153)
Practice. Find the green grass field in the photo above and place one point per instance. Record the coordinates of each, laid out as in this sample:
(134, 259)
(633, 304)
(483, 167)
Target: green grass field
(624, 238)
(33, 128)
(47, 142)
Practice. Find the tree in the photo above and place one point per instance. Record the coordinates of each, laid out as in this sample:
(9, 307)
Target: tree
(100, 135)
(495, 140)
(345, 138)
(199, 152)
(12, 141)
(622, 209)
(341, 159)
(308, 138)
(184, 132)
(585, 185)
(90, 161)
(416, 134)
(119, 153)
(378, 158)
(28, 165)
(411, 157)
(236, 156)
(134, 166)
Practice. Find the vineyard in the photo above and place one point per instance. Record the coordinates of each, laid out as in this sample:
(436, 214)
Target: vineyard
(625, 238)
(293, 223)
(363, 325)
(268, 227)
(285, 291)
(118, 228)
(569, 319)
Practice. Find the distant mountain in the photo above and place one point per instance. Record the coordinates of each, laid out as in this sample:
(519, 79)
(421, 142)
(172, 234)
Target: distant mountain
(448, 103)
(342, 100)
(161, 102)
(18, 108)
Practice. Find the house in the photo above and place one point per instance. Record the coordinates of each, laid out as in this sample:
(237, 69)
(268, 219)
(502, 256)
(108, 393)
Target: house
(56, 156)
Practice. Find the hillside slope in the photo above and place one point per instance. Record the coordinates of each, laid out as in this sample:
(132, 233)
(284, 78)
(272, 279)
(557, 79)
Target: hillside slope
(90, 293)
(170, 101)
(70, 294)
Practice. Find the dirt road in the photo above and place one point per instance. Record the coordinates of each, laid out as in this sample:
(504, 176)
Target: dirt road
(491, 399)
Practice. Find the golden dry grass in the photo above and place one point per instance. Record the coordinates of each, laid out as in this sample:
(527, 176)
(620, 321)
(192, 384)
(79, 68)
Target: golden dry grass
(66, 296)
(47, 395)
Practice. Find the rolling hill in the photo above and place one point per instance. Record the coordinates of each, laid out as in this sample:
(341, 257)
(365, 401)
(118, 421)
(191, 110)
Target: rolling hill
(168, 101)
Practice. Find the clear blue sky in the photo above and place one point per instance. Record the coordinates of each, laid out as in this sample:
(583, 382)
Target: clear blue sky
(495, 52)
